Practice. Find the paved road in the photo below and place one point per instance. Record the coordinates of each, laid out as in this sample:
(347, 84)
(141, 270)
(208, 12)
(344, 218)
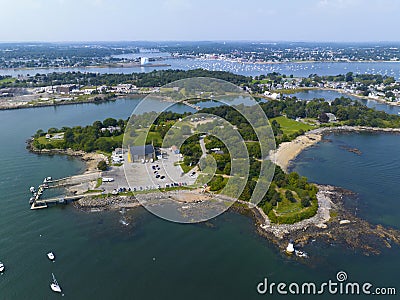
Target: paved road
(203, 147)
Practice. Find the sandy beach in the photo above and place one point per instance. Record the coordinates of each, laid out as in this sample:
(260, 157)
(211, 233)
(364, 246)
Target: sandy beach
(288, 151)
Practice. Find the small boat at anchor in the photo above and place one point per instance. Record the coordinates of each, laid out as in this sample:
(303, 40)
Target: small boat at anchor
(51, 256)
(2, 267)
(55, 287)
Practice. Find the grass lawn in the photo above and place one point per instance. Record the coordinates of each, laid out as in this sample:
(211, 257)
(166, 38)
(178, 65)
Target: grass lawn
(290, 126)
(55, 143)
(292, 91)
(185, 168)
(287, 207)
(152, 136)
(118, 138)
(262, 81)
(8, 80)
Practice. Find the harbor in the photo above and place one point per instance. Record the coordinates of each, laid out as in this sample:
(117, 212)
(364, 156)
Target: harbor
(37, 202)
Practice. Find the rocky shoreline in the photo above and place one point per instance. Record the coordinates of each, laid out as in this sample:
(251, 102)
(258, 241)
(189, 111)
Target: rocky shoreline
(342, 227)
(90, 159)
(96, 204)
(333, 223)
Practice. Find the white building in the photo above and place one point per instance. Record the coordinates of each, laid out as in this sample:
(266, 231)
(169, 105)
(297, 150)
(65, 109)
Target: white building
(144, 61)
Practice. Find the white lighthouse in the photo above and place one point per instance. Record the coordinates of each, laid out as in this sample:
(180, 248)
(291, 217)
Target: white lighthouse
(290, 247)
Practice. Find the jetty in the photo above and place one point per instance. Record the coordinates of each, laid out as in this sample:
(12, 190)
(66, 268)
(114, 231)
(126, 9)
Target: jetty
(43, 203)
(37, 202)
(196, 107)
(71, 180)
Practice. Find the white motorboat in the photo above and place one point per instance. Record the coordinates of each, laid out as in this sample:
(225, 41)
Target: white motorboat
(32, 189)
(55, 287)
(1, 267)
(51, 256)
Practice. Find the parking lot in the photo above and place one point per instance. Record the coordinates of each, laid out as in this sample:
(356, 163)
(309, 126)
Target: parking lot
(159, 174)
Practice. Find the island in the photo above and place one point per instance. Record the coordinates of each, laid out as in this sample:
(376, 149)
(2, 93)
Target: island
(292, 207)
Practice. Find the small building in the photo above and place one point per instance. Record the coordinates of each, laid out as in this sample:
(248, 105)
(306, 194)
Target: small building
(111, 129)
(144, 61)
(65, 89)
(140, 153)
(332, 117)
(175, 149)
(117, 156)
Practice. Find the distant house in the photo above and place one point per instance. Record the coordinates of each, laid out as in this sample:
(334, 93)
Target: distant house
(332, 117)
(65, 89)
(139, 153)
(175, 149)
(111, 129)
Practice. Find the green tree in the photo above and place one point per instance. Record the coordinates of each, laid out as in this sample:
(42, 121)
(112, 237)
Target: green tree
(102, 165)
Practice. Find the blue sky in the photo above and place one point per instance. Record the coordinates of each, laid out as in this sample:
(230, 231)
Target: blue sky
(267, 20)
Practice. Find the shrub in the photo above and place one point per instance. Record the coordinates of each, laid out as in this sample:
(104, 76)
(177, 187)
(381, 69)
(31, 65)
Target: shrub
(102, 165)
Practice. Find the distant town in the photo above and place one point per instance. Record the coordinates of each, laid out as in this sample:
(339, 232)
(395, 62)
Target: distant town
(72, 87)
(47, 55)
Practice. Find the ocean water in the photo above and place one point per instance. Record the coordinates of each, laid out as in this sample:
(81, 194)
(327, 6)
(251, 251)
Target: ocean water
(247, 69)
(99, 258)
(374, 175)
(332, 95)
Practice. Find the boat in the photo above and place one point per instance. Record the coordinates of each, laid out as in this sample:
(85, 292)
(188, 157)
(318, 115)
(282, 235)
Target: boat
(1, 267)
(123, 222)
(290, 247)
(301, 254)
(51, 256)
(31, 200)
(32, 189)
(55, 287)
(47, 179)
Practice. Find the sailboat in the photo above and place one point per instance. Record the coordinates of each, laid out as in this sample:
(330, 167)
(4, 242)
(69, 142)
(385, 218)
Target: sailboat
(55, 286)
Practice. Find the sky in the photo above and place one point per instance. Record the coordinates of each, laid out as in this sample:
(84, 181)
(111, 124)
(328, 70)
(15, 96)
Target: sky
(166, 20)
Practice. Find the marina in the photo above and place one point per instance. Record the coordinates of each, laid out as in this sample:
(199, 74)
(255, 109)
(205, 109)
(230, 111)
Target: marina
(37, 202)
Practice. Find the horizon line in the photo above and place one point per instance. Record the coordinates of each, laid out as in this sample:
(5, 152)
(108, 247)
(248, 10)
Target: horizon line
(199, 41)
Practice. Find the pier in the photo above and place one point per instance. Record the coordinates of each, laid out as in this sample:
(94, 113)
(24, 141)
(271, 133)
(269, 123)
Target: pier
(196, 107)
(37, 202)
(72, 180)
(43, 203)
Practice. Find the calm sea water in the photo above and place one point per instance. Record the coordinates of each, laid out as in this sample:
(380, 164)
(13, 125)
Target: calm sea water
(98, 258)
(332, 95)
(248, 69)
(374, 174)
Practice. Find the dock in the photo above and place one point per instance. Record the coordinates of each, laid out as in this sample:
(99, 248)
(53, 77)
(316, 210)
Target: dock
(37, 202)
(43, 203)
(196, 107)
(72, 180)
